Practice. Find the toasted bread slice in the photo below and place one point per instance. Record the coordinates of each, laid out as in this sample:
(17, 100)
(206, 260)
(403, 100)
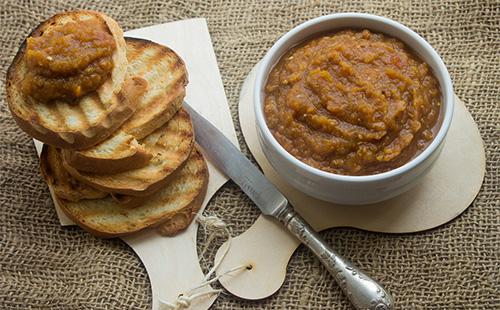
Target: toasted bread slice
(61, 182)
(166, 76)
(81, 124)
(180, 198)
(119, 153)
(170, 146)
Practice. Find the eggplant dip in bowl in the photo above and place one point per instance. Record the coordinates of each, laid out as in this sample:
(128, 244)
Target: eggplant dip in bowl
(352, 108)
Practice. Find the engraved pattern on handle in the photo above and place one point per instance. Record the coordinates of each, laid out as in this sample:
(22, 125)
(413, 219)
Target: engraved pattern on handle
(362, 291)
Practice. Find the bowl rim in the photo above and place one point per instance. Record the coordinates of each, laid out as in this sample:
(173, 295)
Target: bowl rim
(446, 89)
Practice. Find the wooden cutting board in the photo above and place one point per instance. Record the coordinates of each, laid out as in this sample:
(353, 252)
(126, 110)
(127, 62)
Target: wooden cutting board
(443, 194)
(172, 263)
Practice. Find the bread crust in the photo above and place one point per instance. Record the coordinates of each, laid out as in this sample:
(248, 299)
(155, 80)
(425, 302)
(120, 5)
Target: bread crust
(32, 124)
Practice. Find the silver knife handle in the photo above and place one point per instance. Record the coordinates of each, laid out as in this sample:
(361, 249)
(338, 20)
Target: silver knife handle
(362, 291)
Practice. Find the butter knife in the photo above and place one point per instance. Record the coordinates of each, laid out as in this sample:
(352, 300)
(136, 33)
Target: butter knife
(362, 291)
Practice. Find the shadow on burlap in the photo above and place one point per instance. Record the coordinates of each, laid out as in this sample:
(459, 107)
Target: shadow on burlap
(45, 266)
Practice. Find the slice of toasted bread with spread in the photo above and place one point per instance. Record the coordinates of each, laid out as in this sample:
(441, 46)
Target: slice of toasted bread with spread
(166, 77)
(173, 206)
(119, 153)
(170, 145)
(94, 116)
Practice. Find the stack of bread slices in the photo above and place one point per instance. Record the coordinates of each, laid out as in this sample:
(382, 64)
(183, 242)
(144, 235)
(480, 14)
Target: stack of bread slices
(123, 157)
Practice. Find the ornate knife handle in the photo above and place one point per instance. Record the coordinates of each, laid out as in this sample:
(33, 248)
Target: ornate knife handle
(362, 291)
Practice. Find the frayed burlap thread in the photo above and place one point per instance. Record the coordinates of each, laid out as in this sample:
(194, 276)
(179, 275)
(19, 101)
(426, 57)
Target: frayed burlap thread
(456, 266)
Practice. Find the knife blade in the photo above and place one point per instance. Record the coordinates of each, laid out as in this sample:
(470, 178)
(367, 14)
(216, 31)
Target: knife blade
(362, 291)
(224, 154)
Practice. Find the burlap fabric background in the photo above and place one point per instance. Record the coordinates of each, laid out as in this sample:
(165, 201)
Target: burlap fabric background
(46, 266)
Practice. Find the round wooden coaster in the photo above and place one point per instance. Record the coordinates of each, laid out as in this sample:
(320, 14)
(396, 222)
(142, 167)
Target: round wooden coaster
(443, 194)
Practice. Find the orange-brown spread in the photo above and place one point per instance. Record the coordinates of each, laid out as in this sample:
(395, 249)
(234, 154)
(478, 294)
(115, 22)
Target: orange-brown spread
(68, 61)
(352, 102)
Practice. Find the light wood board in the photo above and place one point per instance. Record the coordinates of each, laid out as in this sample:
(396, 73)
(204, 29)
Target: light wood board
(172, 263)
(443, 194)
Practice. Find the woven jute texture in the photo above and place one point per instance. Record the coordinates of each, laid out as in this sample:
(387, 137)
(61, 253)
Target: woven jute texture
(456, 266)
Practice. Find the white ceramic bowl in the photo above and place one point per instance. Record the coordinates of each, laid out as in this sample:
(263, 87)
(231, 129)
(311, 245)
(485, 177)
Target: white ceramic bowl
(340, 188)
